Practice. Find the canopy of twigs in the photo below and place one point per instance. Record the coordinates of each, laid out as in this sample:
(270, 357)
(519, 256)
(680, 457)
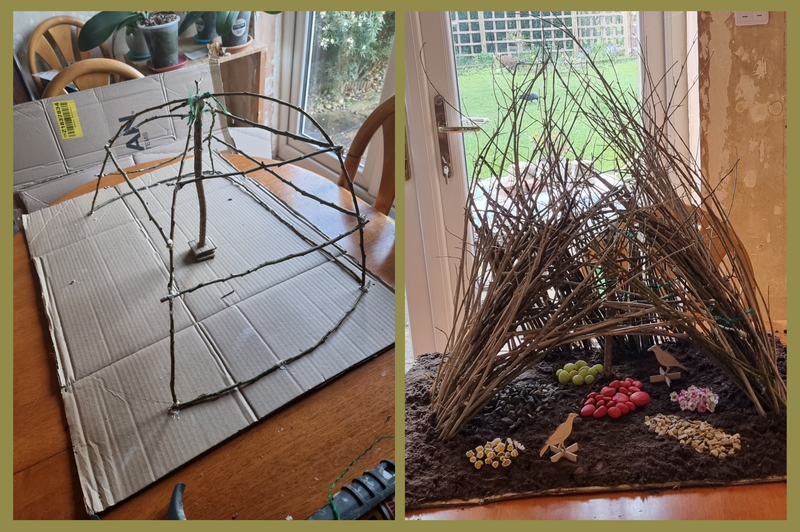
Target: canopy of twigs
(556, 253)
(196, 106)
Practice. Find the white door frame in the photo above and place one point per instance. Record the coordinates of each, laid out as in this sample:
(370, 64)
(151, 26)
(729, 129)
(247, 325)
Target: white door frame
(430, 274)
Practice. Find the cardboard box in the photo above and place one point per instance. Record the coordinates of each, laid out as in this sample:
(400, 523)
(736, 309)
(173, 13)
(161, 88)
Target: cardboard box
(53, 156)
(103, 277)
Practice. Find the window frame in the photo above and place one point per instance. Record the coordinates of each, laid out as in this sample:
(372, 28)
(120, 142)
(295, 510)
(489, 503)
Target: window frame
(297, 33)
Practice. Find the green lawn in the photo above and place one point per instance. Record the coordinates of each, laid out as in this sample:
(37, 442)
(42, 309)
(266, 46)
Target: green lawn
(478, 86)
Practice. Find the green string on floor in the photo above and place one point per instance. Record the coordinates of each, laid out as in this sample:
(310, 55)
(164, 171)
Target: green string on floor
(330, 497)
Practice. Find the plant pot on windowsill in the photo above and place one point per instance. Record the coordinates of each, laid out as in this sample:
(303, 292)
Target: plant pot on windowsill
(233, 27)
(206, 27)
(136, 44)
(161, 35)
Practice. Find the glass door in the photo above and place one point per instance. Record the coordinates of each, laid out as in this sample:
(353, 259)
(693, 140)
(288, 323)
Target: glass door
(479, 62)
(338, 66)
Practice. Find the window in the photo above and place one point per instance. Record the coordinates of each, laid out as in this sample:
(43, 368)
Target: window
(338, 66)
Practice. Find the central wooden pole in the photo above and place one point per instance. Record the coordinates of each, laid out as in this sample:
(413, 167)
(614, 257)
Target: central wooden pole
(203, 248)
(198, 171)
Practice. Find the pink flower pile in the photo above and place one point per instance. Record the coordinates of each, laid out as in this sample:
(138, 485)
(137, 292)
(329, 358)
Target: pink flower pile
(700, 399)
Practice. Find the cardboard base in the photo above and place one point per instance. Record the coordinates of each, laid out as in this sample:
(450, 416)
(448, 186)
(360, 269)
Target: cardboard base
(103, 277)
(596, 489)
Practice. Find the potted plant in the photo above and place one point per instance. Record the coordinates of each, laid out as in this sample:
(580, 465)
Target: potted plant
(206, 26)
(136, 44)
(161, 35)
(230, 25)
(101, 26)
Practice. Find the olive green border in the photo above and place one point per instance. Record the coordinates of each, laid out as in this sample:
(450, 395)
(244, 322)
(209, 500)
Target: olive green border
(6, 333)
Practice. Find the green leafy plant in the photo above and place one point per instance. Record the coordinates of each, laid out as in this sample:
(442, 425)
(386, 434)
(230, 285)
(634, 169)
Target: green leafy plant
(101, 26)
(352, 43)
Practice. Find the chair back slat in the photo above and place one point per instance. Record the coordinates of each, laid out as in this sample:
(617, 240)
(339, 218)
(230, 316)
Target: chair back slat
(62, 36)
(381, 117)
(90, 81)
(53, 37)
(88, 74)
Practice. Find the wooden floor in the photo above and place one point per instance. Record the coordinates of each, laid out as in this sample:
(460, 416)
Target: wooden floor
(762, 501)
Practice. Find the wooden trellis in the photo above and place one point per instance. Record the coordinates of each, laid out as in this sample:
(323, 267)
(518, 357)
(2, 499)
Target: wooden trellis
(477, 32)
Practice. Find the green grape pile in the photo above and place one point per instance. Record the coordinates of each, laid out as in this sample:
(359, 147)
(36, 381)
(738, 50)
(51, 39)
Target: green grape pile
(578, 373)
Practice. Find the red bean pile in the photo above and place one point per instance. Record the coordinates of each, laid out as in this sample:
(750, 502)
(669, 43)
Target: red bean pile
(616, 399)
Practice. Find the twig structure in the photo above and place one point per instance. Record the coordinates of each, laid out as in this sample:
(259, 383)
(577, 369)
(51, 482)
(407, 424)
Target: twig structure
(194, 107)
(635, 256)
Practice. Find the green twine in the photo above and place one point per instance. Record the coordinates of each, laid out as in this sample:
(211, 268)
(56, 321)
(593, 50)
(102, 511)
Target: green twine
(196, 98)
(330, 497)
(731, 322)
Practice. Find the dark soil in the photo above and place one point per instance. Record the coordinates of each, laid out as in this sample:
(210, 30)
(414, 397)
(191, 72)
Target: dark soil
(612, 452)
(158, 19)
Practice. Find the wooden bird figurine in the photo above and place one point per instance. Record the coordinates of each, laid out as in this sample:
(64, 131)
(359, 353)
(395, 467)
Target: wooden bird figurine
(665, 359)
(560, 435)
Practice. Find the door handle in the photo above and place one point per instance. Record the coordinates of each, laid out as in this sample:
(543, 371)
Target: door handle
(442, 130)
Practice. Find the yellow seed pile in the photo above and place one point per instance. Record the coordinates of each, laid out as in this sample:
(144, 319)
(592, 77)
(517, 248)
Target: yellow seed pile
(701, 435)
(495, 453)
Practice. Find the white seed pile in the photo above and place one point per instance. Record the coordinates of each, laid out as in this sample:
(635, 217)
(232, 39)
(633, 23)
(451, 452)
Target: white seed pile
(701, 435)
(495, 453)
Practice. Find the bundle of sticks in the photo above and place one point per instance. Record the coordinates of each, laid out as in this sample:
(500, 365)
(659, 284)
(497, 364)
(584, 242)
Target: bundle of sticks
(633, 256)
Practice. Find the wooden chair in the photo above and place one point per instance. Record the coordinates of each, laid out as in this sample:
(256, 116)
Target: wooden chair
(53, 37)
(88, 74)
(382, 116)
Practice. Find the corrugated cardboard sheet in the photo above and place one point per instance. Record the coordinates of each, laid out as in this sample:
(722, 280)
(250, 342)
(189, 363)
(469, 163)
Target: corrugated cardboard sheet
(47, 166)
(103, 276)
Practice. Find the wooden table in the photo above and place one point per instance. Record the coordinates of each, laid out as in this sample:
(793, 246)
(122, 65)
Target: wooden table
(245, 477)
(761, 501)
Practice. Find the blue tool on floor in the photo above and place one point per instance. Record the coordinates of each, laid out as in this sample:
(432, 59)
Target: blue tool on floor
(176, 503)
(370, 496)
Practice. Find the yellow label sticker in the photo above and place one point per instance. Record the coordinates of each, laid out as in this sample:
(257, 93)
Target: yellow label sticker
(67, 117)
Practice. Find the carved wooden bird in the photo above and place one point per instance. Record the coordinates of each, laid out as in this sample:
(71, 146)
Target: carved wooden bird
(558, 436)
(665, 359)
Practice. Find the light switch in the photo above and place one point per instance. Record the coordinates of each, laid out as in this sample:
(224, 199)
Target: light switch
(744, 18)
(760, 17)
(751, 18)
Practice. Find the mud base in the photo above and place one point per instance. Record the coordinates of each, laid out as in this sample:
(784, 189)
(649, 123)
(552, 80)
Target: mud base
(615, 454)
